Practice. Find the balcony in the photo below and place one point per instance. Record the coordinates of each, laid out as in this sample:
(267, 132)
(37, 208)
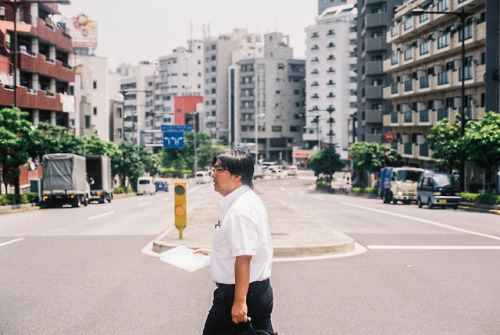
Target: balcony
(33, 99)
(244, 86)
(53, 69)
(377, 20)
(247, 98)
(375, 44)
(374, 92)
(373, 68)
(373, 116)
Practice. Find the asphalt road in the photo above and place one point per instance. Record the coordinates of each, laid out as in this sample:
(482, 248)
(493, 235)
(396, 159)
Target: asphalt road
(81, 270)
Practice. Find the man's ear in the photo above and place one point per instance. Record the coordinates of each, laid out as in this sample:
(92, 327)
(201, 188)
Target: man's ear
(237, 178)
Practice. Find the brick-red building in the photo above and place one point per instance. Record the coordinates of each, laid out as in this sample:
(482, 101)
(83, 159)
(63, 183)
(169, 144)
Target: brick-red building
(184, 105)
(43, 71)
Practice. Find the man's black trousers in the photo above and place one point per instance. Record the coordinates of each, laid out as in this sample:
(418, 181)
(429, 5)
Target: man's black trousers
(259, 302)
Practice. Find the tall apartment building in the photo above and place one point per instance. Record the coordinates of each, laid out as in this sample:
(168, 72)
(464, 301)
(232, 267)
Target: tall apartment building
(138, 87)
(220, 54)
(43, 71)
(331, 78)
(374, 20)
(177, 74)
(324, 4)
(93, 90)
(268, 94)
(426, 66)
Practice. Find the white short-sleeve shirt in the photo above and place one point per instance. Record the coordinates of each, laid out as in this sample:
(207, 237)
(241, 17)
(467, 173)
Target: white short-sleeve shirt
(242, 230)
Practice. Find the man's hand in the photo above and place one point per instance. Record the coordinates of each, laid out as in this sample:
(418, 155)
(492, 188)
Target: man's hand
(239, 312)
(205, 252)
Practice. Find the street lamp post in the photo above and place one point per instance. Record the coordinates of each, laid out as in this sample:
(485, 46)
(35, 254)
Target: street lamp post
(15, 6)
(462, 15)
(194, 116)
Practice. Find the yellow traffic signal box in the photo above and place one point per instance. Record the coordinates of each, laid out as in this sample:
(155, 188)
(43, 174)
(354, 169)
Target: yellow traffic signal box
(180, 208)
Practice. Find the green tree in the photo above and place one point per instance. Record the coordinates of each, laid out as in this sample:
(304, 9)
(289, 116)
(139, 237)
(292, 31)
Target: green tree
(14, 144)
(130, 165)
(183, 158)
(482, 144)
(325, 162)
(444, 141)
(371, 157)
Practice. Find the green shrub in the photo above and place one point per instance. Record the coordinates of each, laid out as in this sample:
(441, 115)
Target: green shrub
(122, 189)
(487, 199)
(357, 190)
(32, 197)
(4, 201)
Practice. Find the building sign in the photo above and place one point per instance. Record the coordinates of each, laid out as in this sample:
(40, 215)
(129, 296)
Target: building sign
(83, 31)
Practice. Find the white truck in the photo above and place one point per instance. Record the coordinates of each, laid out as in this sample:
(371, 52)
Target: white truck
(65, 180)
(398, 184)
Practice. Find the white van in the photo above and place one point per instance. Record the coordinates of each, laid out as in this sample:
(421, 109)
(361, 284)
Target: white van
(146, 185)
(203, 177)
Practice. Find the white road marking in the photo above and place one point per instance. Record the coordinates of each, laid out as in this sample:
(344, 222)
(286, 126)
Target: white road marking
(425, 221)
(144, 204)
(431, 247)
(11, 241)
(101, 215)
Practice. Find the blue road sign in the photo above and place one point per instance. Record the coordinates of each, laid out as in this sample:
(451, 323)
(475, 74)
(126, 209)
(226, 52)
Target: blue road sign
(187, 127)
(173, 139)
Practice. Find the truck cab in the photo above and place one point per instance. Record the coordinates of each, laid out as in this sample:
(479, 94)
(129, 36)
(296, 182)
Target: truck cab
(399, 184)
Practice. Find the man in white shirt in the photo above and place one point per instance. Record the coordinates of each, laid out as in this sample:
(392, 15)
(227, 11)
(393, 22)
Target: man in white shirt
(242, 252)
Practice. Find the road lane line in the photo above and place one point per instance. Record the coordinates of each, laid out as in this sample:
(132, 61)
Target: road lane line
(101, 215)
(11, 241)
(431, 247)
(424, 221)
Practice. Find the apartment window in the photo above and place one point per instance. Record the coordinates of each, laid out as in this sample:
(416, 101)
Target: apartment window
(394, 88)
(94, 110)
(443, 41)
(408, 116)
(424, 48)
(394, 59)
(408, 85)
(468, 70)
(443, 5)
(424, 150)
(314, 35)
(468, 30)
(118, 112)
(424, 82)
(423, 115)
(331, 32)
(442, 114)
(94, 84)
(394, 117)
(443, 78)
(424, 17)
(87, 121)
(408, 23)
(408, 148)
(409, 54)
(281, 66)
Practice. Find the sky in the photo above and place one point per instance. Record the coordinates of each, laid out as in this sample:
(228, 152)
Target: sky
(132, 31)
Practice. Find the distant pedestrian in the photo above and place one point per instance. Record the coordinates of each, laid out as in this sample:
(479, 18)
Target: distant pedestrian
(242, 252)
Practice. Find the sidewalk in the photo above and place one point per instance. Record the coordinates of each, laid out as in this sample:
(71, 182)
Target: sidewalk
(294, 234)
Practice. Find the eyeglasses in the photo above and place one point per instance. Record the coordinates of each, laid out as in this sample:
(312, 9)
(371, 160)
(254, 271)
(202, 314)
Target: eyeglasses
(218, 170)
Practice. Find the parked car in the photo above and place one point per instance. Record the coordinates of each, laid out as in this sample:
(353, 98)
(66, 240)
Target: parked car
(438, 189)
(145, 185)
(161, 185)
(292, 170)
(277, 172)
(203, 177)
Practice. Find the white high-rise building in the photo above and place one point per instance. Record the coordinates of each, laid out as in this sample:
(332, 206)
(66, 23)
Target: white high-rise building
(220, 54)
(268, 95)
(331, 78)
(93, 89)
(177, 74)
(138, 100)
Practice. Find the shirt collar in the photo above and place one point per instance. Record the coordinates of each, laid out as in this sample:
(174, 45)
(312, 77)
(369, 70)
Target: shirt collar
(225, 202)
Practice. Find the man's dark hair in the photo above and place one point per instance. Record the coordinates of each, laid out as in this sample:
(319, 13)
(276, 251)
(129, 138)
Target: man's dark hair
(238, 163)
